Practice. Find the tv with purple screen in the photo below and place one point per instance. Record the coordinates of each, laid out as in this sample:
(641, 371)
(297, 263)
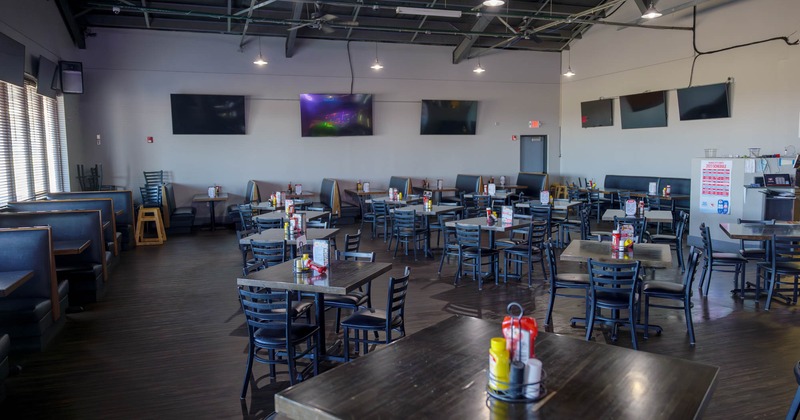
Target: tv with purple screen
(335, 115)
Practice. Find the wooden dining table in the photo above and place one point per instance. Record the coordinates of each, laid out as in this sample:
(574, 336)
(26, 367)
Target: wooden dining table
(441, 372)
(310, 215)
(655, 216)
(11, 280)
(491, 227)
(341, 278)
(70, 247)
(650, 255)
(758, 231)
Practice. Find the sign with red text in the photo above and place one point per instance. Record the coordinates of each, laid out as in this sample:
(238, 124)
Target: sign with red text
(715, 186)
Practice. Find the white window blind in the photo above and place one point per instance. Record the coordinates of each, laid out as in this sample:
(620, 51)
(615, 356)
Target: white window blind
(33, 150)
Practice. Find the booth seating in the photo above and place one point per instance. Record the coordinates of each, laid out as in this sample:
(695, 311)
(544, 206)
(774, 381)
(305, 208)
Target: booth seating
(5, 348)
(86, 271)
(330, 200)
(402, 184)
(123, 208)
(465, 184)
(176, 219)
(536, 182)
(682, 186)
(105, 205)
(33, 313)
(641, 184)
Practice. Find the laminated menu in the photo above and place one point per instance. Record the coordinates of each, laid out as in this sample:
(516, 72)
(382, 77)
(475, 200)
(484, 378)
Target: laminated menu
(626, 231)
(321, 252)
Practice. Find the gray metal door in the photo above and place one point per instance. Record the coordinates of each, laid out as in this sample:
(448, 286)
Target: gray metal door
(533, 153)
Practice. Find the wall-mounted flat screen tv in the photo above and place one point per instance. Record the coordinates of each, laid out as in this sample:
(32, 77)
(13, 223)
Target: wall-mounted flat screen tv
(598, 113)
(207, 114)
(644, 110)
(704, 102)
(336, 115)
(12, 61)
(448, 117)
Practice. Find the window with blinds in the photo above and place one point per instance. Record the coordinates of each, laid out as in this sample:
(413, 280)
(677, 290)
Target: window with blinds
(33, 145)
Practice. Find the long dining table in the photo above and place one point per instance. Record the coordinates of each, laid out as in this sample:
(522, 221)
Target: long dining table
(441, 372)
(759, 231)
(341, 278)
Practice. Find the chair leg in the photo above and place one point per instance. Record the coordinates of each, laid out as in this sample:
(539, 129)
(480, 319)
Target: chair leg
(366, 341)
(687, 306)
(632, 320)
(646, 316)
(773, 279)
(338, 318)
(248, 372)
(590, 321)
(703, 276)
(346, 344)
(708, 281)
(795, 407)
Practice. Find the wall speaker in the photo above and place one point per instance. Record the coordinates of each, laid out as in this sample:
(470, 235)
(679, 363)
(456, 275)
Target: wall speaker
(71, 76)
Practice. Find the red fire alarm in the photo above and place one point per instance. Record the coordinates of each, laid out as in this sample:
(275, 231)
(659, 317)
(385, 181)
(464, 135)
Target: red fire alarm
(534, 124)
(513, 138)
(149, 139)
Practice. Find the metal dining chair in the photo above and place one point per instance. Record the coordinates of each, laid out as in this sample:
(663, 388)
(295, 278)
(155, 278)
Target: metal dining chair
(568, 281)
(667, 290)
(614, 287)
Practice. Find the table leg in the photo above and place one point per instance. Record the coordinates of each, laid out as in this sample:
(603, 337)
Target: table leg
(319, 303)
(212, 216)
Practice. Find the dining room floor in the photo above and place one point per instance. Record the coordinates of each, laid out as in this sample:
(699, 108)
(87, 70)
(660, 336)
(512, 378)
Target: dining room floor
(168, 340)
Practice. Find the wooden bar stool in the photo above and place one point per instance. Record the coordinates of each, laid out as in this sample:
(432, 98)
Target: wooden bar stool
(559, 191)
(150, 211)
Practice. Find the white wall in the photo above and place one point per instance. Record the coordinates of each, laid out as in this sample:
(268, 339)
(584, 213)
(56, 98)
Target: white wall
(130, 75)
(611, 62)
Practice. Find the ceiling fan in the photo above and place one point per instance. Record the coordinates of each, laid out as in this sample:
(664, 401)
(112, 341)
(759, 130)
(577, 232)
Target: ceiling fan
(322, 22)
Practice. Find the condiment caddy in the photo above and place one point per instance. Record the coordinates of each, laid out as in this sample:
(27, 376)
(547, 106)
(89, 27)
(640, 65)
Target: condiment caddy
(515, 374)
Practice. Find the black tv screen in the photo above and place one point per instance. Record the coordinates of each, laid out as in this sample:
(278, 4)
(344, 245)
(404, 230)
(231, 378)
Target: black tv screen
(12, 61)
(335, 115)
(448, 117)
(704, 102)
(207, 114)
(597, 113)
(644, 110)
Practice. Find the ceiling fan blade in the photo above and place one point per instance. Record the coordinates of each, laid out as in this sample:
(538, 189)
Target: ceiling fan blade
(328, 18)
(506, 42)
(327, 29)
(348, 23)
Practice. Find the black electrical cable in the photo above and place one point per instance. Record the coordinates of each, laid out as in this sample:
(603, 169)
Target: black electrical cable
(699, 53)
(350, 61)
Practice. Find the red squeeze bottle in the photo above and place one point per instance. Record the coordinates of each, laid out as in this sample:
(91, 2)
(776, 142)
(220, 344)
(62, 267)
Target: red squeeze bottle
(521, 341)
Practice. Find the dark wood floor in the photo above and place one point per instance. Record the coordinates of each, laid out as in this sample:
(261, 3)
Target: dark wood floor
(168, 341)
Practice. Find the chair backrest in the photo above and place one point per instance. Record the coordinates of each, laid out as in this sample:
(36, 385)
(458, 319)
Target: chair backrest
(401, 183)
(585, 212)
(468, 235)
(550, 254)
(482, 202)
(270, 253)
(352, 242)
(405, 219)
(639, 226)
(355, 256)
(680, 227)
(396, 300)
(380, 208)
(317, 224)
(153, 177)
(151, 195)
(246, 216)
(264, 224)
(613, 278)
(705, 236)
(266, 309)
(543, 213)
(688, 279)
(784, 249)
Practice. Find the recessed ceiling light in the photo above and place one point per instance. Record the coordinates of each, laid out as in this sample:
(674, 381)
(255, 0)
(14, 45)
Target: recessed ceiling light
(493, 3)
(651, 12)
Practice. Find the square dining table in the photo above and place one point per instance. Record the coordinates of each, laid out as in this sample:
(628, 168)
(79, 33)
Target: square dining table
(759, 231)
(650, 255)
(441, 372)
(341, 278)
(498, 225)
(655, 216)
(273, 235)
(11, 280)
(435, 210)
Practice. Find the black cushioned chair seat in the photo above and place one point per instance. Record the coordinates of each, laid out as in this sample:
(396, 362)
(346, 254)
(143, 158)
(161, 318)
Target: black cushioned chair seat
(354, 298)
(474, 250)
(276, 336)
(369, 318)
(23, 310)
(663, 287)
(615, 298)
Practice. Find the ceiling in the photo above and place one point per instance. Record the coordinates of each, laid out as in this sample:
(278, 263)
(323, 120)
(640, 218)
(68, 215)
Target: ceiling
(543, 25)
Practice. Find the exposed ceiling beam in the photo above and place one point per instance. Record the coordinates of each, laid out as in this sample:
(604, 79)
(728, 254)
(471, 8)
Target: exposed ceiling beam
(462, 50)
(640, 4)
(353, 19)
(74, 30)
(291, 38)
(254, 6)
(230, 9)
(246, 24)
(673, 9)
(146, 15)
